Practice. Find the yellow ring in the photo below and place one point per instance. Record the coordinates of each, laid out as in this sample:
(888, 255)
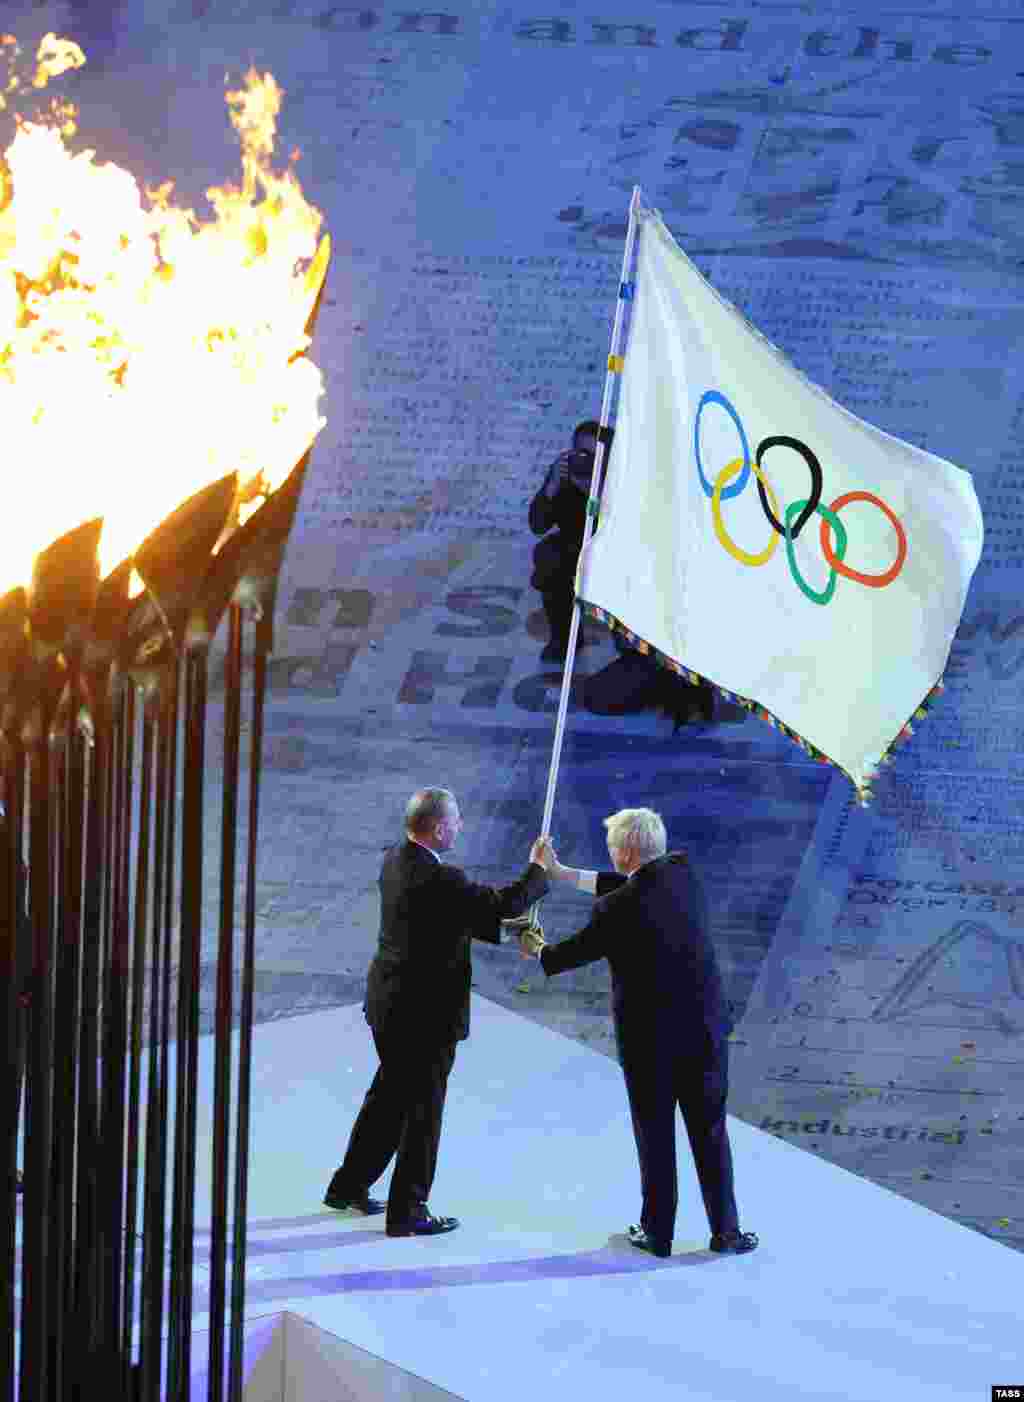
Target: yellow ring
(728, 472)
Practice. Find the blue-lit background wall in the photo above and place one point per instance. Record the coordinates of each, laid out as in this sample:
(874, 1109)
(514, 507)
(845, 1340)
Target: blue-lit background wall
(852, 177)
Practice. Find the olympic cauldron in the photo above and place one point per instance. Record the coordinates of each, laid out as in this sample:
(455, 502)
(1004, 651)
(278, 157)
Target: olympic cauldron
(159, 412)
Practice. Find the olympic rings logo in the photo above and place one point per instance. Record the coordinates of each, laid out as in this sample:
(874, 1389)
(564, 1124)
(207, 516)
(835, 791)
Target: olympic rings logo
(797, 514)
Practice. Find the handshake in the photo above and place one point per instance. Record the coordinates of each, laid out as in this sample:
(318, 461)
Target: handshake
(531, 936)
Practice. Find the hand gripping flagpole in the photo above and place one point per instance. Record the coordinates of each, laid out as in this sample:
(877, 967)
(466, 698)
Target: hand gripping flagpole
(615, 364)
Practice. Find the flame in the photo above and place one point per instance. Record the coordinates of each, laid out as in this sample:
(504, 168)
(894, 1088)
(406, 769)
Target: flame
(55, 57)
(144, 352)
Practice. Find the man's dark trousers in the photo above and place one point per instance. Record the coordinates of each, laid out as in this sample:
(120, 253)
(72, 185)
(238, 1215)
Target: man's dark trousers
(699, 1086)
(401, 1114)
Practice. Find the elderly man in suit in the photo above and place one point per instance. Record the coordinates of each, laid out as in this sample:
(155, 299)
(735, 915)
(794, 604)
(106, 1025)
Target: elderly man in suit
(417, 1006)
(671, 1019)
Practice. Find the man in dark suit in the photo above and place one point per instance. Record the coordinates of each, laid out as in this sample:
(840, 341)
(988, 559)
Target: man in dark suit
(417, 1006)
(671, 1019)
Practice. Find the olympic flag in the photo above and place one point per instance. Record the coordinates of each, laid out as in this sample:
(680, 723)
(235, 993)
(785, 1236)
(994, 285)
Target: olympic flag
(755, 533)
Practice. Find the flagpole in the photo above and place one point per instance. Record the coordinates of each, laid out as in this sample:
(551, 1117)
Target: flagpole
(614, 368)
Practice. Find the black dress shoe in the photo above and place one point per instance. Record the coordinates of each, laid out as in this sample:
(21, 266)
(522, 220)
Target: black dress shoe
(735, 1243)
(638, 1237)
(424, 1225)
(362, 1202)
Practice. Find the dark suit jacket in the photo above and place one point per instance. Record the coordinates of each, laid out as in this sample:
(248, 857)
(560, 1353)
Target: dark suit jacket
(419, 979)
(666, 986)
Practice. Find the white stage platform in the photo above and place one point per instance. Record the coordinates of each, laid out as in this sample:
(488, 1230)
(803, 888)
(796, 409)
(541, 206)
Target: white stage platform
(853, 1294)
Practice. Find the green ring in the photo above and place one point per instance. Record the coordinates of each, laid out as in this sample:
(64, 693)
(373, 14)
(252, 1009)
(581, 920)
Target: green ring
(825, 596)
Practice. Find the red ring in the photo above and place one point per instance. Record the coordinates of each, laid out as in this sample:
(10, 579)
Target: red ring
(873, 581)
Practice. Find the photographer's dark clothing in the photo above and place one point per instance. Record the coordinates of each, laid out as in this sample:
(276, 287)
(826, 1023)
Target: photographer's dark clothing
(672, 1023)
(567, 510)
(556, 556)
(633, 682)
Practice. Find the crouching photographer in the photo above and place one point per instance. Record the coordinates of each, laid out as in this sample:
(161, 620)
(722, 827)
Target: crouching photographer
(558, 513)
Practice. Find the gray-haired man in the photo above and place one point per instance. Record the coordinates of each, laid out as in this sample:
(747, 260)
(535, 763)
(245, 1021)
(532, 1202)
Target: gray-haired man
(417, 1005)
(671, 1018)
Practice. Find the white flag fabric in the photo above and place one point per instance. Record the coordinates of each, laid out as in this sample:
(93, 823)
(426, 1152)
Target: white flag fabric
(754, 532)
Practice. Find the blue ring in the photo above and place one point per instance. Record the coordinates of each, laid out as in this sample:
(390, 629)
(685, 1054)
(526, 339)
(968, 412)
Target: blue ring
(712, 396)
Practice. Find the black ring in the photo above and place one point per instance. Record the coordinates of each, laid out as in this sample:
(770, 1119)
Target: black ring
(814, 496)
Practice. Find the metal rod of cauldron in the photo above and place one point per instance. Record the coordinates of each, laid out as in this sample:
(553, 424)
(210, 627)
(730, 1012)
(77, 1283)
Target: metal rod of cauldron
(98, 728)
(8, 1100)
(115, 1042)
(177, 1382)
(245, 1019)
(15, 959)
(183, 1224)
(256, 590)
(56, 1259)
(223, 1015)
(175, 562)
(150, 702)
(123, 1047)
(11, 890)
(154, 1217)
(173, 748)
(192, 921)
(36, 1282)
(9, 1091)
(105, 1225)
(61, 1114)
(19, 818)
(69, 850)
(88, 1277)
(81, 755)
